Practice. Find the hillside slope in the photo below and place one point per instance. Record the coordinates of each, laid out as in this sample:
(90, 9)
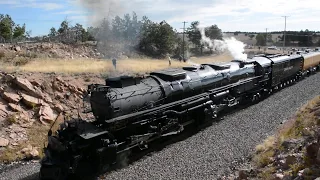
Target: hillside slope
(293, 152)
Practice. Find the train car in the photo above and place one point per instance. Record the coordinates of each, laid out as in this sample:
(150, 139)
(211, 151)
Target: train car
(311, 62)
(284, 69)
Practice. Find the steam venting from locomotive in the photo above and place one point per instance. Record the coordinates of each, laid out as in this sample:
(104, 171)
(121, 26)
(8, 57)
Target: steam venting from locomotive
(235, 47)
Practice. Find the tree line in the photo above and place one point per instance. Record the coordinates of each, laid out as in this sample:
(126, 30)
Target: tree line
(10, 31)
(130, 34)
(293, 38)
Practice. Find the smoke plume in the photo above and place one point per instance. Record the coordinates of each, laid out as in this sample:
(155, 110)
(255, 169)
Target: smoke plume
(235, 47)
(99, 9)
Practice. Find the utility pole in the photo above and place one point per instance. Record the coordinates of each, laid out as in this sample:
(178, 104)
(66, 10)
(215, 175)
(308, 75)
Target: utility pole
(284, 33)
(184, 27)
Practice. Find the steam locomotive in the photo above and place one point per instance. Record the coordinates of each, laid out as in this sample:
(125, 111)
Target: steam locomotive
(131, 112)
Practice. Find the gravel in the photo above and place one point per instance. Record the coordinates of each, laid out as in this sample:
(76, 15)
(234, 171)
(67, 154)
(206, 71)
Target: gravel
(26, 171)
(217, 149)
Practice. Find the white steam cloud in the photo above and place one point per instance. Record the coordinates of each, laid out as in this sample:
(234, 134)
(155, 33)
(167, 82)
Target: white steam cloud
(235, 47)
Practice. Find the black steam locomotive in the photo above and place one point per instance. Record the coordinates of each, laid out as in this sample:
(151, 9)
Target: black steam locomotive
(132, 112)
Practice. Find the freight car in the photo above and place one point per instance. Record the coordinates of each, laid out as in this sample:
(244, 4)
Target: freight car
(132, 112)
(311, 62)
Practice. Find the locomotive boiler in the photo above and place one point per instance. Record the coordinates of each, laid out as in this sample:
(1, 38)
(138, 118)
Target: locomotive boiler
(131, 112)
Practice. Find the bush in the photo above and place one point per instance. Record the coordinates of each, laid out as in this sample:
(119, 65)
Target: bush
(20, 61)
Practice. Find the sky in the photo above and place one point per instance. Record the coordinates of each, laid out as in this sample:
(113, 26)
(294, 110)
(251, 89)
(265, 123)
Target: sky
(229, 15)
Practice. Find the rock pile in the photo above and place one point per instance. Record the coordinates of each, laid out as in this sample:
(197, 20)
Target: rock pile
(24, 102)
(53, 50)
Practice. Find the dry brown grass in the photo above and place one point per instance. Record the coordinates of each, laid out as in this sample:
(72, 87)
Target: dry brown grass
(266, 145)
(305, 119)
(303, 123)
(105, 66)
(37, 135)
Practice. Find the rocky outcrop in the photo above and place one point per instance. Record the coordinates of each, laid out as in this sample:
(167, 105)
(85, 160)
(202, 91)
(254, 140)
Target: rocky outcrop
(46, 114)
(4, 142)
(27, 86)
(53, 50)
(15, 107)
(3, 111)
(11, 97)
(23, 102)
(31, 101)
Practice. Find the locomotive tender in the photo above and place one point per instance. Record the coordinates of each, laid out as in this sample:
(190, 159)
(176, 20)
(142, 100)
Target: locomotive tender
(131, 112)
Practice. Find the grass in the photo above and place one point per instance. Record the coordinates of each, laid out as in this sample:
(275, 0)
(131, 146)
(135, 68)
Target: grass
(267, 173)
(48, 65)
(266, 145)
(305, 119)
(37, 135)
(303, 124)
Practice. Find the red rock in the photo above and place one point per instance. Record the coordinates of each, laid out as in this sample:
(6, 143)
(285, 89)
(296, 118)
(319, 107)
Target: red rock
(27, 86)
(31, 101)
(4, 142)
(58, 108)
(35, 83)
(11, 97)
(3, 109)
(3, 113)
(81, 89)
(15, 107)
(47, 114)
(73, 88)
(59, 96)
(59, 79)
(47, 98)
(57, 86)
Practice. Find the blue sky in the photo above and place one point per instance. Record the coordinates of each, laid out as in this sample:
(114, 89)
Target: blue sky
(231, 15)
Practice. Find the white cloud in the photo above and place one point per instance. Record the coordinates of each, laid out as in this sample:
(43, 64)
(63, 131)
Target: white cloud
(231, 15)
(302, 14)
